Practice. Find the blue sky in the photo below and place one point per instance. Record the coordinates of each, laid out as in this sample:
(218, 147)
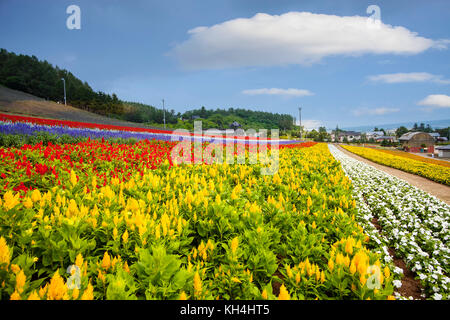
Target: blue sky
(263, 55)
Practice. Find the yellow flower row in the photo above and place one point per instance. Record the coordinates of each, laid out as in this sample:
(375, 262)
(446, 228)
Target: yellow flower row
(431, 171)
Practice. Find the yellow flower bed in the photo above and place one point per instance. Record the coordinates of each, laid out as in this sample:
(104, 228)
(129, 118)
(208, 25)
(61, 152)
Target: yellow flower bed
(416, 157)
(428, 170)
(192, 232)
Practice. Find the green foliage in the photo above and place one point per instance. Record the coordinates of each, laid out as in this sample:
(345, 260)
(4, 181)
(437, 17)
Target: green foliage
(401, 131)
(160, 274)
(248, 119)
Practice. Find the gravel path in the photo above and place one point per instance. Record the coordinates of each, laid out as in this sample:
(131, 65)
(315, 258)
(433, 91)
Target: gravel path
(436, 189)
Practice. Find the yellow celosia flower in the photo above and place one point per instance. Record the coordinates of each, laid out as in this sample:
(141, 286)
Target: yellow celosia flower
(157, 233)
(362, 279)
(352, 268)
(73, 178)
(15, 268)
(79, 260)
(34, 296)
(10, 200)
(106, 262)
(57, 289)
(297, 278)
(101, 276)
(15, 296)
(43, 291)
(346, 261)
(234, 244)
(349, 247)
(391, 298)
(183, 296)
(125, 236)
(317, 274)
(20, 281)
(289, 272)
(264, 294)
(75, 294)
(330, 264)
(309, 202)
(284, 294)
(28, 203)
(197, 284)
(36, 195)
(125, 267)
(236, 280)
(387, 273)
(88, 294)
(5, 254)
(72, 210)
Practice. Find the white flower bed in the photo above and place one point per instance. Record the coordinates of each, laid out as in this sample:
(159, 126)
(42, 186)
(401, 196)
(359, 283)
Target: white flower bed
(413, 222)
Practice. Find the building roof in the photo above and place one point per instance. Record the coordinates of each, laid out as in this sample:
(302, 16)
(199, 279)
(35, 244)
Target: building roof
(385, 137)
(349, 133)
(409, 135)
(435, 134)
(375, 133)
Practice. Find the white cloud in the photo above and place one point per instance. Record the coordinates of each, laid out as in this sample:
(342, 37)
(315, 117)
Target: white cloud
(374, 112)
(278, 91)
(293, 38)
(435, 101)
(408, 77)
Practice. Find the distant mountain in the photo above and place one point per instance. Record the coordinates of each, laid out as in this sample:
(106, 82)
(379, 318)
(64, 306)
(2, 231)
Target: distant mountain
(435, 124)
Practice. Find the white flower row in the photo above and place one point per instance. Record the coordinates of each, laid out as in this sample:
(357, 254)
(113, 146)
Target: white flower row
(413, 222)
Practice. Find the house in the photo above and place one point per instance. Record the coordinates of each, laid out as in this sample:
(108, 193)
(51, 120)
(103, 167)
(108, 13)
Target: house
(350, 135)
(443, 151)
(391, 132)
(385, 138)
(417, 142)
(374, 134)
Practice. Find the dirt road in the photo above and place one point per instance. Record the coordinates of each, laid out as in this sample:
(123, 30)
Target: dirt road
(436, 189)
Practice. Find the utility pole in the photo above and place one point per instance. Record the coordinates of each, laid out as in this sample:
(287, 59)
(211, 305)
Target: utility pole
(300, 119)
(164, 114)
(64, 81)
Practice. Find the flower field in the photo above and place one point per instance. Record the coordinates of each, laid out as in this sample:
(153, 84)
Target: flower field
(431, 171)
(410, 155)
(413, 222)
(19, 130)
(104, 220)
